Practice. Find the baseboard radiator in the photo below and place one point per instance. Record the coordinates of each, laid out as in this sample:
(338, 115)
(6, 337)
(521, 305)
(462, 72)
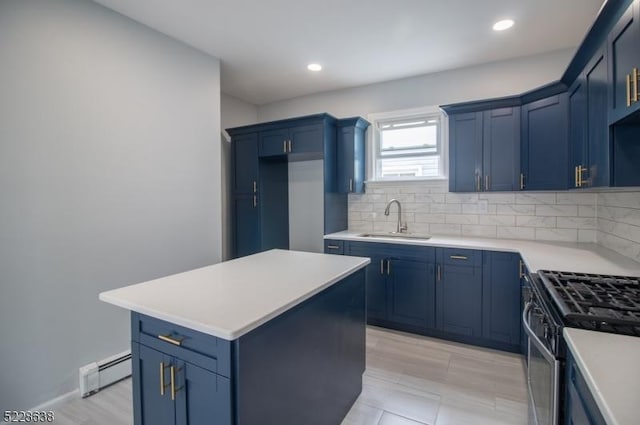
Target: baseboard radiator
(98, 375)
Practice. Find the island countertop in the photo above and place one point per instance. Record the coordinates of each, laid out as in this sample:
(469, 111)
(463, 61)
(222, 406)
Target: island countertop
(230, 299)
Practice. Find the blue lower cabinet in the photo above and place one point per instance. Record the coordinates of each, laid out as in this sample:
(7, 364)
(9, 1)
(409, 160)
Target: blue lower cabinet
(412, 287)
(204, 397)
(501, 297)
(580, 407)
(151, 399)
(458, 295)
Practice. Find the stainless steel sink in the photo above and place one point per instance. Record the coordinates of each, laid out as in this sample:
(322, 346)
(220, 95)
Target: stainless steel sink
(395, 235)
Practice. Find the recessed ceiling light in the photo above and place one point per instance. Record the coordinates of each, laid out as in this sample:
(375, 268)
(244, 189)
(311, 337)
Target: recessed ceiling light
(314, 67)
(505, 24)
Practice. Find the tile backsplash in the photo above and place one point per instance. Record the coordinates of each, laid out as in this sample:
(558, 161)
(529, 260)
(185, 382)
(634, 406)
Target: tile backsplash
(609, 218)
(618, 222)
(430, 208)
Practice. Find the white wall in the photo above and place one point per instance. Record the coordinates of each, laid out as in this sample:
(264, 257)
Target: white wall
(234, 113)
(480, 82)
(109, 175)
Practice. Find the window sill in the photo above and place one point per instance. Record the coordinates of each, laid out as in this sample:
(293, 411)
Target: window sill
(434, 180)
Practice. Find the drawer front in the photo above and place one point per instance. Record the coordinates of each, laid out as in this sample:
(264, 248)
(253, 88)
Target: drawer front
(390, 250)
(206, 351)
(333, 247)
(462, 257)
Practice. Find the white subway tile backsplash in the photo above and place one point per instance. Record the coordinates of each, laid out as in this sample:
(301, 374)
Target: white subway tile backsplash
(611, 219)
(535, 221)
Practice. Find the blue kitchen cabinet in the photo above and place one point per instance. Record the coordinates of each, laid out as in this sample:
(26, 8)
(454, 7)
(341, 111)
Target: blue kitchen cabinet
(333, 246)
(459, 292)
(578, 158)
(351, 154)
(400, 284)
(465, 152)
(484, 149)
(245, 158)
(501, 297)
(624, 65)
(170, 391)
(580, 407)
(501, 149)
(296, 140)
(598, 144)
(247, 225)
(545, 144)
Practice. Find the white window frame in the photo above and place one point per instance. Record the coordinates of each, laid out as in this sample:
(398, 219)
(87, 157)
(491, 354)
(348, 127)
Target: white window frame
(373, 142)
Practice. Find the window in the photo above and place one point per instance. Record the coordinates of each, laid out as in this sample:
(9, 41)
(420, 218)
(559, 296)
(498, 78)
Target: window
(408, 146)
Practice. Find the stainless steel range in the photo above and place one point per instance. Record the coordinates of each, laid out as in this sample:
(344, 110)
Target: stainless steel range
(558, 299)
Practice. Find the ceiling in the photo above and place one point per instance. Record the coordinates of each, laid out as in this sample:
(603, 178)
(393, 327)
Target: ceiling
(265, 45)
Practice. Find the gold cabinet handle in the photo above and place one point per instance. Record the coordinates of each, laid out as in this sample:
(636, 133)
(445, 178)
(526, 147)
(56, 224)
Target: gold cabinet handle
(350, 185)
(575, 173)
(174, 390)
(388, 267)
(486, 182)
(381, 266)
(289, 145)
(634, 82)
(438, 272)
(333, 247)
(628, 90)
(458, 257)
(581, 180)
(255, 186)
(284, 146)
(162, 384)
(255, 201)
(171, 340)
(478, 181)
(521, 181)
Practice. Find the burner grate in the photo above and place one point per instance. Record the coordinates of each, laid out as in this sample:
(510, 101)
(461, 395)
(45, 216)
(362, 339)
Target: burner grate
(603, 300)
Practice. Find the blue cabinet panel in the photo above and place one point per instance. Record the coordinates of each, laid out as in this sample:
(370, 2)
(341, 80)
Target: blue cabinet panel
(458, 298)
(578, 130)
(376, 293)
(624, 58)
(247, 225)
(245, 173)
(501, 150)
(465, 152)
(203, 398)
(598, 144)
(274, 142)
(351, 155)
(332, 246)
(152, 400)
(545, 144)
(580, 407)
(306, 139)
(412, 288)
(501, 297)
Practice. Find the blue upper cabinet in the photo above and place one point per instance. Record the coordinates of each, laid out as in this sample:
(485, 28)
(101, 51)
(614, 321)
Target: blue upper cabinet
(623, 46)
(351, 154)
(501, 149)
(598, 145)
(465, 151)
(545, 144)
(296, 140)
(578, 158)
(245, 158)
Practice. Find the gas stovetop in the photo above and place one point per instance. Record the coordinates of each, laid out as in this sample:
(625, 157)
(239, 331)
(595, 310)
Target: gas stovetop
(598, 302)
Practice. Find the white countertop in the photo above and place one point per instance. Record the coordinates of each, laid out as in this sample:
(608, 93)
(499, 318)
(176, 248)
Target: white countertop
(229, 299)
(537, 255)
(610, 365)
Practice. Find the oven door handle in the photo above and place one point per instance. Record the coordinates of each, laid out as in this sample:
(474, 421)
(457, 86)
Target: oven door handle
(533, 338)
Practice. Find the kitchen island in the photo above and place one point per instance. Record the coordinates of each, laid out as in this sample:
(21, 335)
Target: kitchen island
(273, 338)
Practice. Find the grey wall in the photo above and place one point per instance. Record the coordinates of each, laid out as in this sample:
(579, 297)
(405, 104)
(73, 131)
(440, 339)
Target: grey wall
(109, 175)
(234, 113)
(306, 206)
(478, 82)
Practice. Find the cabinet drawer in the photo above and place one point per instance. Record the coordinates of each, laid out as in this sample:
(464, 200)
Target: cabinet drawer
(462, 257)
(206, 351)
(332, 246)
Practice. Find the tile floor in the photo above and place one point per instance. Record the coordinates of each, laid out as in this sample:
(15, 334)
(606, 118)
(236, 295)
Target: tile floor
(410, 380)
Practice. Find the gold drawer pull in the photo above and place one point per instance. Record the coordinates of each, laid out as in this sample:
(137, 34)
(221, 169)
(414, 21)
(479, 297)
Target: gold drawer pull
(634, 82)
(174, 390)
(171, 340)
(162, 384)
(458, 257)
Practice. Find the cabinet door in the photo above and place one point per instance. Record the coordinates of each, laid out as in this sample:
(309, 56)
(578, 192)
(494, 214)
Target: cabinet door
(376, 293)
(501, 297)
(501, 146)
(412, 287)
(577, 130)
(151, 374)
(465, 152)
(597, 128)
(203, 397)
(624, 56)
(346, 159)
(459, 305)
(245, 150)
(247, 225)
(306, 139)
(545, 144)
(274, 142)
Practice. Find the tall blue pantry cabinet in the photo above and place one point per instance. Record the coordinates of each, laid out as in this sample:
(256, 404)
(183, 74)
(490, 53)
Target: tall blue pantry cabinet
(260, 157)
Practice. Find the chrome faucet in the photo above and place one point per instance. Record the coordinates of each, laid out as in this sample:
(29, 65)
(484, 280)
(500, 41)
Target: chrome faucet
(400, 228)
